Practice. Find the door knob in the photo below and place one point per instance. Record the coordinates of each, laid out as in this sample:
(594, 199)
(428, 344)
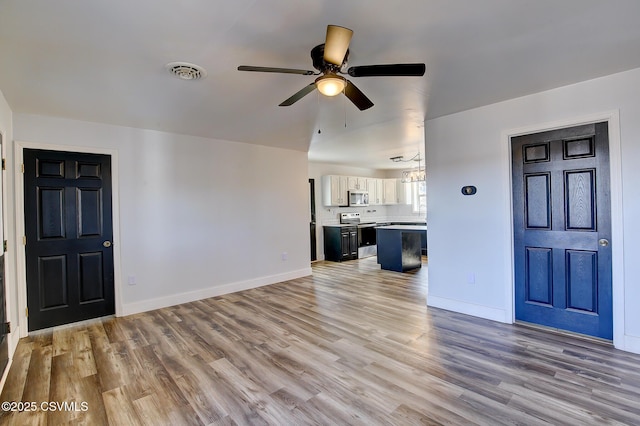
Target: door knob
(603, 242)
(107, 244)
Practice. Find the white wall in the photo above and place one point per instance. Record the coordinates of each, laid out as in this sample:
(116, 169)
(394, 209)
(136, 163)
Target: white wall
(331, 215)
(198, 217)
(471, 235)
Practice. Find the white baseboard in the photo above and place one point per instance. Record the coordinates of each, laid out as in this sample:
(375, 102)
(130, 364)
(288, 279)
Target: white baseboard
(191, 296)
(630, 344)
(480, 311)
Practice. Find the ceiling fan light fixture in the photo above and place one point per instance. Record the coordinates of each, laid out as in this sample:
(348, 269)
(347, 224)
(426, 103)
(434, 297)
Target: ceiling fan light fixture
(331, 84)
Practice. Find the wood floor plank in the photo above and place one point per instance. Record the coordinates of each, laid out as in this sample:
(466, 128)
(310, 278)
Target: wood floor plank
(408, 416)
(96, 413)
(440, 398)
(153, 410)
(73, 398)
(250, 392)
(111, 372)
(119, 407)
(61, 340)
(17, 377)
(39, 372)
(83, 361)
(303, 411)
(351, 344)
(200, 392)
(164, 390)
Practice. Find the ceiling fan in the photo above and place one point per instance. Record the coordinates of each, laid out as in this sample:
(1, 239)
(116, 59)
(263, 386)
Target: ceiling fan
(330, 59)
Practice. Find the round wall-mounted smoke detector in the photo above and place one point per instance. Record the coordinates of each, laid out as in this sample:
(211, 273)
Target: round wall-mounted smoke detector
(186, 71)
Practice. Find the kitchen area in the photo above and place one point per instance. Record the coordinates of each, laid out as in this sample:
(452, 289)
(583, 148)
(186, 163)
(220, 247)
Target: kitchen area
(399, 246)
(355, 213)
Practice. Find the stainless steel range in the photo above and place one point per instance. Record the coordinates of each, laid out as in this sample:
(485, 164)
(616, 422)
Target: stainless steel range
(366, 234)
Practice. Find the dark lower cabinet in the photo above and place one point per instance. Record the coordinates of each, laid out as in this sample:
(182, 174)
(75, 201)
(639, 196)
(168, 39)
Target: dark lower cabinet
(340, 243)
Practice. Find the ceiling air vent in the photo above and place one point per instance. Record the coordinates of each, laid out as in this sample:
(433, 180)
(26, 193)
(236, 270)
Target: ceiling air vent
(186, 71)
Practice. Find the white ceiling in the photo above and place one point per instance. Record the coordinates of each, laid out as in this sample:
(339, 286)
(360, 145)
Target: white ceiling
(103, 61)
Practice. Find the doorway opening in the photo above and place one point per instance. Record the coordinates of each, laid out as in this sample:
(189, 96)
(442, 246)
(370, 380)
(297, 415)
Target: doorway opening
(312, 223)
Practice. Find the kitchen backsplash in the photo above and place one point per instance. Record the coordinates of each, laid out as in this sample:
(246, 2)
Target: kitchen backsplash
(400, 213)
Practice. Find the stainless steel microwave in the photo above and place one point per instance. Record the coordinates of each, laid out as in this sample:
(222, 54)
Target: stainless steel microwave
(358, 198)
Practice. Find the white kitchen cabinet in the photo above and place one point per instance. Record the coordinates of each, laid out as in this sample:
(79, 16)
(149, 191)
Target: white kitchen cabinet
(405, 192)
(375, 189)
(390, 191)
(334, 190)
(355, 183)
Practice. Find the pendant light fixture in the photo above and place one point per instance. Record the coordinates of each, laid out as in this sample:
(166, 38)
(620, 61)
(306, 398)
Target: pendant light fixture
(414, 175)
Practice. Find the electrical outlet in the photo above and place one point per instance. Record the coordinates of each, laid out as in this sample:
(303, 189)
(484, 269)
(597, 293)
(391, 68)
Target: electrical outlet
(131, 280)
(471, 278)
(285, 256)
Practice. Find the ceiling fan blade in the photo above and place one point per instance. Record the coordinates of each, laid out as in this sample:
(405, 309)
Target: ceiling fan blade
(336, 44)
(392, 70)
(299, 95)
(278, 70)
(356, 96)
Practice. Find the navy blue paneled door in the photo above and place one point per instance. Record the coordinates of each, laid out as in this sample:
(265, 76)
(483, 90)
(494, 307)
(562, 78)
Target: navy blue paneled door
(562, 229)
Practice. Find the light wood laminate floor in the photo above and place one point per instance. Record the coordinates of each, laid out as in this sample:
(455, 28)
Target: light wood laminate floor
(349, 345)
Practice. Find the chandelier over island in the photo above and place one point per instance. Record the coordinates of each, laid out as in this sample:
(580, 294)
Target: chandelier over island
(416, 174)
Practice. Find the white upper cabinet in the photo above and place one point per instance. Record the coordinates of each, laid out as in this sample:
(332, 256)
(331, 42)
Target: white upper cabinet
(381, 191)
(405, 192)
(390, 191)
(375, 189)
(355, 183)
(334, 190)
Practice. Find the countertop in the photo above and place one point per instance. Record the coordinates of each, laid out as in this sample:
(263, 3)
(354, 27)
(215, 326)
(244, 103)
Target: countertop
(381, 224)
(404, 227)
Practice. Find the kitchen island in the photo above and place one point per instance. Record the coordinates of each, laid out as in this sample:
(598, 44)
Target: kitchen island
(400, 246)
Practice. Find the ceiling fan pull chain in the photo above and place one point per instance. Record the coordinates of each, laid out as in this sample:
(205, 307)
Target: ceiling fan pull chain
(318, 109)
(344, 104)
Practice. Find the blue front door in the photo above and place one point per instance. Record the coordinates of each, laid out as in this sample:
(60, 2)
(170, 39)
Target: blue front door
(562, 229)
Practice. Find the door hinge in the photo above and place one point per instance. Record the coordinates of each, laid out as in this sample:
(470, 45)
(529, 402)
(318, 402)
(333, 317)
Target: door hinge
(5, 328)
(4, 164)
(26, 312)
(22, 167)
(24, 240)
(4, 246)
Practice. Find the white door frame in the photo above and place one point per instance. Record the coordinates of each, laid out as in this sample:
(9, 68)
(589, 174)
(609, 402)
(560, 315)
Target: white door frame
(617, 234)
(4, 215)
(21, 276)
